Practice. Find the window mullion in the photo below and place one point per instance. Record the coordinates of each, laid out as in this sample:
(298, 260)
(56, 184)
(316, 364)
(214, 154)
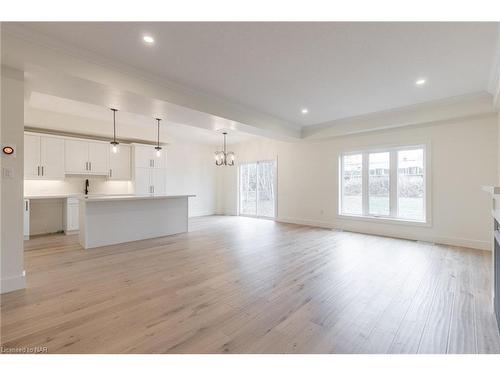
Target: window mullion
(393, 183)
(364, 182)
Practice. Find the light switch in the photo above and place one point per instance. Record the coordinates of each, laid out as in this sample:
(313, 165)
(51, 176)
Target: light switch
(7, 173)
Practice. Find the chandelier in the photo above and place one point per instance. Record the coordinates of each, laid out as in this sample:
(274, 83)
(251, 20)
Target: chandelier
(223, 157)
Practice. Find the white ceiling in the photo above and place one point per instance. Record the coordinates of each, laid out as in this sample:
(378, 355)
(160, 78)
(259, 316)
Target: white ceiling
(62, 114)
(336, 70)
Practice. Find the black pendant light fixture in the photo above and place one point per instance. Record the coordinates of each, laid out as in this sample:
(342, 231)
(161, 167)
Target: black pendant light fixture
(224, 157)
(114, 143)
(158, 148)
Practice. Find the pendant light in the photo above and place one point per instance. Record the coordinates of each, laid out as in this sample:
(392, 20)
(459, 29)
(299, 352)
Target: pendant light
(114, 143)
(224, 157)
(158, 148)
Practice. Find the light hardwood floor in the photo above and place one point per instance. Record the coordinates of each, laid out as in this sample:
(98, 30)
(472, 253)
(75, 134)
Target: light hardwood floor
(241, 285)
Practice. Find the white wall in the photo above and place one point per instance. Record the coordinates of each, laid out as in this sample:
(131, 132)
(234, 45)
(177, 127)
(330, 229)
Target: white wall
(498, 164)
(12, 117)
(463, 157)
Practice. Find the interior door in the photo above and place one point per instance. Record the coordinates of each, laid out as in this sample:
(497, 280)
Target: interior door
(52, 158)
(31, 157)
(266, 189)
(98, 157)
(248, 189)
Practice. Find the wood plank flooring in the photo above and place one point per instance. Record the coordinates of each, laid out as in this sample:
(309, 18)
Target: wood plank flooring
(242, 285)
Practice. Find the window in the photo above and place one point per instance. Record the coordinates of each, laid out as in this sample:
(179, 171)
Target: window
(257, 189)
(378, 184)
(351, 187)
(387, 183)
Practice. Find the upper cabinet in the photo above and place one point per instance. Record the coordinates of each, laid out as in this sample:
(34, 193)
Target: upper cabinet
(119, 163)
(86, 157)
(99, 157)
(145, 157)
(43, 157)
(51, 157)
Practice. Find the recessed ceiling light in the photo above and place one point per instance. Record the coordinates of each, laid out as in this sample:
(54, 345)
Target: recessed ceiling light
(305, 111)
(148, 39)
(420, 82)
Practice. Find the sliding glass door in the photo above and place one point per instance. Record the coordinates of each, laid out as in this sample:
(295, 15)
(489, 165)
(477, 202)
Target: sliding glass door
(257, 189)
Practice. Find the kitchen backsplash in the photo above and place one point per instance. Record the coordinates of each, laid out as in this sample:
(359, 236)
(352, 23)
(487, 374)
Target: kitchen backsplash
(74, 185)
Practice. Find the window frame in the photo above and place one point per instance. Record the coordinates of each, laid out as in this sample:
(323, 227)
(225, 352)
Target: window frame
(393, 184)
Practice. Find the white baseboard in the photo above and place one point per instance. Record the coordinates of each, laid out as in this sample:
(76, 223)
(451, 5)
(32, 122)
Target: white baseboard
(12, 283)
(453, 241)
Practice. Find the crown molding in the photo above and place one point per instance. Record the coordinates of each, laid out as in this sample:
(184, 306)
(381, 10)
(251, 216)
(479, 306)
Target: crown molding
(464, 106)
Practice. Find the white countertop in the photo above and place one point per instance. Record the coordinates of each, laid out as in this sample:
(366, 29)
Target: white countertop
(53, 196)
(107, 198)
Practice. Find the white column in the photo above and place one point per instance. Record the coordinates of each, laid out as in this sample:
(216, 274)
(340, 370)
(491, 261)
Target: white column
(11, 187)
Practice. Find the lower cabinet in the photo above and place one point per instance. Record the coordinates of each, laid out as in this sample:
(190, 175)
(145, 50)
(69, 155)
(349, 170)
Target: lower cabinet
(71, 215)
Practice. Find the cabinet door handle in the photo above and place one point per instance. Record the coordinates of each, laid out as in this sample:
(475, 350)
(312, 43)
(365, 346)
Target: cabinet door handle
(38, 171)
(90, 165)
(86, 165)
(110, 172)
(42, 170)
(26, 206)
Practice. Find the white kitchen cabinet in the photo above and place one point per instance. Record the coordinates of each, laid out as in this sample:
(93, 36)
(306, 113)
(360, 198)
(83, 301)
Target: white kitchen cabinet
(43, 157)
(31, 157)
(26, 219)
(142, 181)
(52, 158)
(76, 156)
(150, 174)
(98, 157)
(150, 181)
(71, 215)
(142, 156)
(160, 161)
(158, 180)
(145, 156)
(119, 163)
(86, 157)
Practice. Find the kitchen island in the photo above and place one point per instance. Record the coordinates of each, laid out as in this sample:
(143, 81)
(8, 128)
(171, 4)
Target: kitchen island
(108, 220)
